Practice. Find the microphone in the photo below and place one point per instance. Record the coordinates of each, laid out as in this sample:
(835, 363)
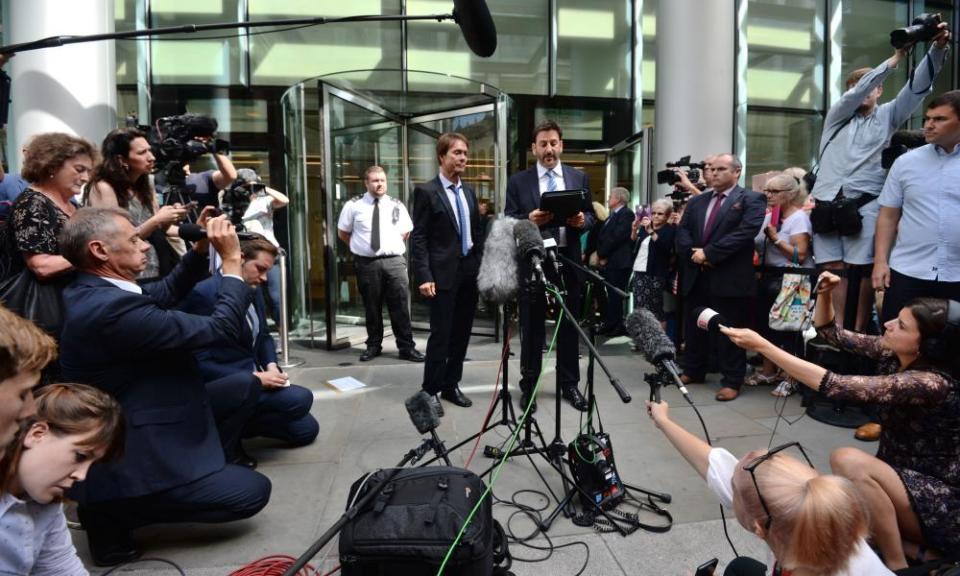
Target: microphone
(709, 319)
(477, 26)
(497, 281)
(421, 412)
(529, 244)
(645, 331)
(195, 233)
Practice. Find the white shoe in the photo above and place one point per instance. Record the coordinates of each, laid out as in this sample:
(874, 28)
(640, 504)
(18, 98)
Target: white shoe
(784, 389)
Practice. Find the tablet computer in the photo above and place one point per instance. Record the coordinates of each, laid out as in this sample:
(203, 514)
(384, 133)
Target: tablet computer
(562, 204)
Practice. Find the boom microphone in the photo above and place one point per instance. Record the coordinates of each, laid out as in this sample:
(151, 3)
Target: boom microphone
(195, 233)
(421, 412)
(477, 26)
(497, 281)
(645, 331)
(529, 244)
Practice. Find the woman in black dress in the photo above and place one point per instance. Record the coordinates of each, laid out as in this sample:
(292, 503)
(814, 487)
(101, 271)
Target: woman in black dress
(912, 485)
(57, 166)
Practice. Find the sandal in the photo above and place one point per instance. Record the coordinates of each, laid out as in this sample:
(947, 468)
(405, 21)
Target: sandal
(784, 389)
(760, 379)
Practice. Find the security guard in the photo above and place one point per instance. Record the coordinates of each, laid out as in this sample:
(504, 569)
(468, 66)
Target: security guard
(375, 227)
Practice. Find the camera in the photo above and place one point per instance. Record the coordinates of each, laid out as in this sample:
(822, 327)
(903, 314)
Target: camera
(902, 142)
(236, 200)
(922, 29)
(671, 177)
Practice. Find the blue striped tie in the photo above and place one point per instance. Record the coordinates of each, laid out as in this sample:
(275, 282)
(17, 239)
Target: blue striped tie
(464, 248)
(551, 181)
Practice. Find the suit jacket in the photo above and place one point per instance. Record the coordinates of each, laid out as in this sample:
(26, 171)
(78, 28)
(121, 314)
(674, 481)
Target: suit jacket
(435, 240)
(253, 352)
(730, 246)
(660, 255)
(523, 197)
(613, 240)
(138, 348)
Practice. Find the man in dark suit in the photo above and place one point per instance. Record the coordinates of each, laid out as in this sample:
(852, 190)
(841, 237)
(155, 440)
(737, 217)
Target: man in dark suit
(282, 409)
(445, 254)
(615, 249)
(523, 202)
(129, 341)
(715, 252)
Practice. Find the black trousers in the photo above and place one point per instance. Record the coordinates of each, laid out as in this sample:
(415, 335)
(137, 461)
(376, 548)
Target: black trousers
(533, 306)
(233, 400)
(451, 319)
(905, 288)
(615, 311)
(385, 279)
(732, 360)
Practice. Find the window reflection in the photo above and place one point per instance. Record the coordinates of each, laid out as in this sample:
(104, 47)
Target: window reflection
(593, 48)
(786, 53)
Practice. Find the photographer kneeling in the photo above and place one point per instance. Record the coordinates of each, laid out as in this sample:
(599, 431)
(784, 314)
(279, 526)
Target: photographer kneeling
(912, 486)
(813, 524)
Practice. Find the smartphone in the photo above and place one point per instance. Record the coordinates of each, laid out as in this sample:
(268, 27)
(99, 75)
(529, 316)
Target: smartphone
(775, 216)
(707, 568)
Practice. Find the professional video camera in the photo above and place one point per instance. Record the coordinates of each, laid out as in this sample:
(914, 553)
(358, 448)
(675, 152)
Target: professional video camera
(236, 200)
(671, 177)
(902, 142)
(923, 28)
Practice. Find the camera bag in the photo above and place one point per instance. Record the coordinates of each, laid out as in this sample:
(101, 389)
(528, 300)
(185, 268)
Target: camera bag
(841, 215)
(409, 526)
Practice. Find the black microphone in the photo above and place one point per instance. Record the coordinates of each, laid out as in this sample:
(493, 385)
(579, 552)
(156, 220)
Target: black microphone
(195, 233)
(421, 412)
(645, 331)
(529, 244)
(497, 281)
(477, 26)
(709, 319)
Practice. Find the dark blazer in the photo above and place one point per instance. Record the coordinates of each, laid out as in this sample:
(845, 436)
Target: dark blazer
(249, 354)
(730, 247)
(435, 240)
(139, 348)
(523, 197)
(660, 255)
(613, 240)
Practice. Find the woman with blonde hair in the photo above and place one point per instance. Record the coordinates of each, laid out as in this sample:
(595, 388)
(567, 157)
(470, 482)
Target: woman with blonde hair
(75, 425)
(813, 524)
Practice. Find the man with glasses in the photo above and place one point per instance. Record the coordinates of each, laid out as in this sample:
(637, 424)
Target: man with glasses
(715, 252)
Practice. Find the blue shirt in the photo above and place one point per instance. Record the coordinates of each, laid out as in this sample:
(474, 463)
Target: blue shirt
(925, 185)
(852, 160)
(464, 205)
(34, 540)
(11, 186)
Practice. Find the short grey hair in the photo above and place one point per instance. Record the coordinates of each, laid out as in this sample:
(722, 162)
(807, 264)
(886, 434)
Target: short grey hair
(667, 205)
(85, 226)
(622, 194)
(735, 162)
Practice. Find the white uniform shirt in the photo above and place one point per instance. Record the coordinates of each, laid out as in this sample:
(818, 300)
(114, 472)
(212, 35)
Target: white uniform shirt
(356, 219)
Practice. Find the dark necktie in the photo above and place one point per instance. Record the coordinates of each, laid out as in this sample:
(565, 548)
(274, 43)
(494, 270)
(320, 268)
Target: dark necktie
(712, 217)
(461, 220)
(375, 231)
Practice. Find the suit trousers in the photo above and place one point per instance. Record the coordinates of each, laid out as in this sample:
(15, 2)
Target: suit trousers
(232, 493)
(451, 319)
(533, 305)
(284, 414)
(382, 279)
(233, 400)
(731, 358)
(905, 288)
(615, 312)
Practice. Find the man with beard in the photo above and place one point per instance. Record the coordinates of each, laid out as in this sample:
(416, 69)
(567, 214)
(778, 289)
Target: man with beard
(523, 202)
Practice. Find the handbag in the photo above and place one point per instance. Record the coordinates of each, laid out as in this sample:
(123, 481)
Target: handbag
(789, 310)
(40, 302)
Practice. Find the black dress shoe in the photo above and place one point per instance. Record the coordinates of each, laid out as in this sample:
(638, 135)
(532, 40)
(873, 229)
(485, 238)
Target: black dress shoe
(575, 398)
(525, 399)
(241, 458)
(412, 355)
(370, 353)
(457, 397)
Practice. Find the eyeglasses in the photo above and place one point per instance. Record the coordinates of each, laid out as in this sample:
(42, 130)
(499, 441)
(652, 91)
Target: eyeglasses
(774, 191)
(752, 465)
(659, 213)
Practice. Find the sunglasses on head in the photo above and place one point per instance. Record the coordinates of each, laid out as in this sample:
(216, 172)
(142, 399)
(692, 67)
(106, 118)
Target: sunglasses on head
(752, 466)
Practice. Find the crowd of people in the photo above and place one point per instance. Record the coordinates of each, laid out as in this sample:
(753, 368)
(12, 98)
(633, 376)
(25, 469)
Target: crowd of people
(164, 345)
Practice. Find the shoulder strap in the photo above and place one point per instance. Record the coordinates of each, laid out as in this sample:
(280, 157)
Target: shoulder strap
(816, 167)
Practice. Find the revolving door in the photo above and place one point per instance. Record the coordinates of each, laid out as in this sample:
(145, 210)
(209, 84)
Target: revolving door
(338, 125)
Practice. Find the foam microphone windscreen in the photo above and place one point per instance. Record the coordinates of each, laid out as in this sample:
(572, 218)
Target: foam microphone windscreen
(477, 26)
(421, 412)
(709, 319)
(497, 281)
(645, 331)
(528, 237)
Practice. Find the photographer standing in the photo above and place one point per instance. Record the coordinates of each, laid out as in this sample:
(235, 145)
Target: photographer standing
(855, 131)
(207, 184)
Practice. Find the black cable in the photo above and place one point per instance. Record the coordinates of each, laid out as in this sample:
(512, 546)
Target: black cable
(142, 560)
(534, 515)
(193, 36)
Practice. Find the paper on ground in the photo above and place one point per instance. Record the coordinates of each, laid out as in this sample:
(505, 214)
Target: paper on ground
(345, 384)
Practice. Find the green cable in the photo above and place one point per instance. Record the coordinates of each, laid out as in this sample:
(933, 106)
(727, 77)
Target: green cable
(503, 459)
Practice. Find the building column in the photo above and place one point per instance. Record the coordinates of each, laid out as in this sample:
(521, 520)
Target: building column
(696, 82)
(71, 88)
